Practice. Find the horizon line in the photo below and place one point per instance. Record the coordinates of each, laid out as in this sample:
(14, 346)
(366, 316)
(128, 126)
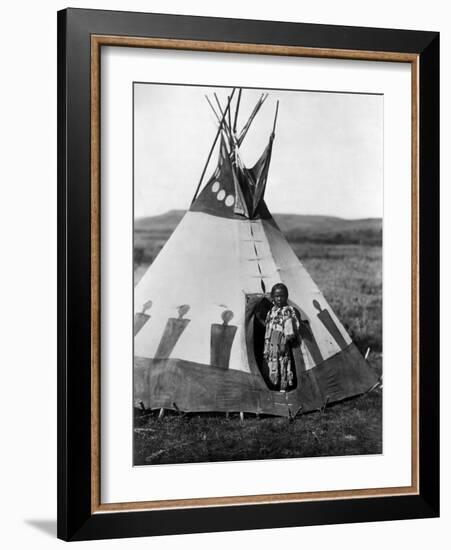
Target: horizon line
(272, 214)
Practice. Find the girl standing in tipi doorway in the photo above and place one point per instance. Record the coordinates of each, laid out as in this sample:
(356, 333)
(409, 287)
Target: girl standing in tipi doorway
(281, 332)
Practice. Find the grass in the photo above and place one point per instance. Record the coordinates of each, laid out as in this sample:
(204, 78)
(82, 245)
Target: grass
(350, 276)
(352, 427)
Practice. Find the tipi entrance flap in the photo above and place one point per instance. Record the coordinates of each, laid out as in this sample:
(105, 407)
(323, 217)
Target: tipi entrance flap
(219, 196)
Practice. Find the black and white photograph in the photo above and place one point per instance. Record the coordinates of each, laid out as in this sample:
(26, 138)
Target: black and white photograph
(257, 273)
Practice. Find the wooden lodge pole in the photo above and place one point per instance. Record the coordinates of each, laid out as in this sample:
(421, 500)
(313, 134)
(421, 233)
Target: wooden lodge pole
(213, 146)
(275, 118)
(236, 110)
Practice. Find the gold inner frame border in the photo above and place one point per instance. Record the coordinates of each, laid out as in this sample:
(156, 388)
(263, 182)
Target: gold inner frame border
(97, 41)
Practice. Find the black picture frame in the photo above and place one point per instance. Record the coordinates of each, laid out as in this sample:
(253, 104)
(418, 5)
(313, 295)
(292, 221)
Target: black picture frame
(76, 518)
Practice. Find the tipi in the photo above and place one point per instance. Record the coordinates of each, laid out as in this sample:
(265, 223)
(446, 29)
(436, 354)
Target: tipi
(198, 333)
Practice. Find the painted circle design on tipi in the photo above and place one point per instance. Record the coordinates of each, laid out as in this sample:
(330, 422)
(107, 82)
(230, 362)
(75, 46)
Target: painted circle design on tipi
(215, 187)
(220, 196)
(230, 200)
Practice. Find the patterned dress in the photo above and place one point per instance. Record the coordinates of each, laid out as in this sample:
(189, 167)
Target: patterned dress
(282, 329)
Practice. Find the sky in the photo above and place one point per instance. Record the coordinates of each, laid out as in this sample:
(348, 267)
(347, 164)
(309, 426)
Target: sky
(327, 156)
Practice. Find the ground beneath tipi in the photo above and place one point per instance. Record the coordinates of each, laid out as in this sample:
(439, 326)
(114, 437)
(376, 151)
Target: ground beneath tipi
(352, 427)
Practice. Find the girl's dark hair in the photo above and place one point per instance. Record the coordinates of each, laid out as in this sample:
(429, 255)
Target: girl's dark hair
(279, 286)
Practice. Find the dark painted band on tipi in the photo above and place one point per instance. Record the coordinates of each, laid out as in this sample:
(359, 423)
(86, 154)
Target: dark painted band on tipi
(139, 321)
(194, 387)
(141, 317)
(173, 330)
(326, 319)
(221, 340)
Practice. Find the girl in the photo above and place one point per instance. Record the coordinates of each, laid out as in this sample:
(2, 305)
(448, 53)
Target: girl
(282, 328)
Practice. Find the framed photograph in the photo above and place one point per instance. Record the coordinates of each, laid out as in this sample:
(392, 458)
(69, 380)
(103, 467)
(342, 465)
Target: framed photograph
(248, 274)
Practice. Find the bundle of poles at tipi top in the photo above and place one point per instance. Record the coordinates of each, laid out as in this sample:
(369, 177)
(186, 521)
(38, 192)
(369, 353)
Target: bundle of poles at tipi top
(228, 129)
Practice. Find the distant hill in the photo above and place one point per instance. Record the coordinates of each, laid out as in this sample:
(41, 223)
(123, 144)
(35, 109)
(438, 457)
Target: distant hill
(296, 227)
(163, 223)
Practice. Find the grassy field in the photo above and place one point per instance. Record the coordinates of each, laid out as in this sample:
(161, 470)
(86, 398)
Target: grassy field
(350, 276)
(353, 427)
(345, 260)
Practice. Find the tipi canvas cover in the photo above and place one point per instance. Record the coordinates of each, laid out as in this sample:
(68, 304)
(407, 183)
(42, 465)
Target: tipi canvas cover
(199, 307)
